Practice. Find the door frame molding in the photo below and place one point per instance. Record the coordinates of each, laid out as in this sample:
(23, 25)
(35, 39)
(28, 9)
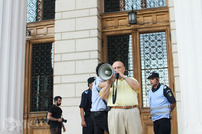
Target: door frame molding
(39, 32)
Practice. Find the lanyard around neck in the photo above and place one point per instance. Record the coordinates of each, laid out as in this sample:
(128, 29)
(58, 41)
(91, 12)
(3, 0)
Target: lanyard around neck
(114, 95)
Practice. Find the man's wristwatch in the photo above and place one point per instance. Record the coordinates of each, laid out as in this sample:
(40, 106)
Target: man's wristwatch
(125, 77)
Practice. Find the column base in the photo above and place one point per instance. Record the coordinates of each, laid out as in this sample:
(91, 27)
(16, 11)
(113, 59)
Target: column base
(192, 130)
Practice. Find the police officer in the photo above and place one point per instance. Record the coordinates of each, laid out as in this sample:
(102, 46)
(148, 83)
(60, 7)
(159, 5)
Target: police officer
(162, 102)
(85, 106)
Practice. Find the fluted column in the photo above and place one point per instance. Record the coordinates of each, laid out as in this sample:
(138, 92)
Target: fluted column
(12, 62)
(188, 15)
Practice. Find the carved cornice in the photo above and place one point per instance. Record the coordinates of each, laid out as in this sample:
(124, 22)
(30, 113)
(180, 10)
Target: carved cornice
(145, 18)
(40, 30)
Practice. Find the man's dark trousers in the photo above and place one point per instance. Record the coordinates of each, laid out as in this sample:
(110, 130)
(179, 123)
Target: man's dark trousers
(162, 126)
(100, 122)
(90, 126)
(55, 130)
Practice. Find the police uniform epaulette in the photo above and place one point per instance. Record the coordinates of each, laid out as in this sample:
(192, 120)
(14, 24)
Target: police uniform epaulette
(86, 92)
(165, 87)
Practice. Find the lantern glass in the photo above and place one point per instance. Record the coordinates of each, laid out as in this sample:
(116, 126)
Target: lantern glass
(132, 17)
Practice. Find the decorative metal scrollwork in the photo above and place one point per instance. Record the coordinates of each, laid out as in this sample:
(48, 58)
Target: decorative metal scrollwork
(120, 49)
(153, 58)
(38, 10)
(121, 5)
(40, 120)
(42, 77)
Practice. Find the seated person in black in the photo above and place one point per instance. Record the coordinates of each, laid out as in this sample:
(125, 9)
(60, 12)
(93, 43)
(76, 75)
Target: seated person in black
(54, 115)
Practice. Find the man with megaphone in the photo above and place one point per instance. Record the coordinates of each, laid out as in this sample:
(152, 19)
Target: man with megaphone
(121, 95)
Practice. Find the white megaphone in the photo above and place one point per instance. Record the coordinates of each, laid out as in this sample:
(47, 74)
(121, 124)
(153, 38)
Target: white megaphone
(106, 71)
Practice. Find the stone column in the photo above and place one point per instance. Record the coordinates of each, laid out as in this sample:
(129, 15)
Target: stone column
(12, 62)
(188, 15)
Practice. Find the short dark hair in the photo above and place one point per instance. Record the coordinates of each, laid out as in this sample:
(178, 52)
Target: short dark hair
(98, 66)
(57, 97)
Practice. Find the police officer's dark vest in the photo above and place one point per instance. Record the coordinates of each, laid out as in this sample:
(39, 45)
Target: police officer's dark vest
(159, 105)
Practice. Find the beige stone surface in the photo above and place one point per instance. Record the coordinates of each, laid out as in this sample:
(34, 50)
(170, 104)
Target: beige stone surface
(65, 46)
(173, 36)
(71, 101)
(174, 48)
(57, 79)
(87, 23)
(74, 78)
(175, 60)
(72, 114)
(178, 96)
(86, 66)
(64, 90)
(64, 5)
(75, 35)
(82, 4)
(176, 71)
(76, 56)
(94, 11)
(62, 68)
(172, 14)
(177, 84)
(76, 13)
(58, 16)
(94, 54)
(172, 25)
(170, 3)
(57, 57)
(65, 25)
(81, 87)
(58, 36)
(87, 44)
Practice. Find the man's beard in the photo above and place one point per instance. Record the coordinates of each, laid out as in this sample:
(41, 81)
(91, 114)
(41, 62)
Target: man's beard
(58, 104)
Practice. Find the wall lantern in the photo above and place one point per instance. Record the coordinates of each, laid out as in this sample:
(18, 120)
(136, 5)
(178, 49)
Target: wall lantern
(132, 17)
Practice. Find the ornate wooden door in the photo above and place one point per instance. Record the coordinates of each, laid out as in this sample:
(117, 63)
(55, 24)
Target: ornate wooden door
(38, 86)
(154, 54)
(38, 92)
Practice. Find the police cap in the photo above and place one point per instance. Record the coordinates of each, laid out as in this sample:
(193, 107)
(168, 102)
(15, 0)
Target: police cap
(91, 79)
(153, 75)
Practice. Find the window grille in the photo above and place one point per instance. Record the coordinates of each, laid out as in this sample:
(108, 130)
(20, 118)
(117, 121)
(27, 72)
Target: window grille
(122, 5)
(120, 49)
(38, 10)
(42, 77)
(153, 58)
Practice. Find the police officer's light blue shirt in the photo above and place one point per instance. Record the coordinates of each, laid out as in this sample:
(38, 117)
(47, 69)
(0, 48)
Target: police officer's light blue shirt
(159, 105)
(97, 102)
